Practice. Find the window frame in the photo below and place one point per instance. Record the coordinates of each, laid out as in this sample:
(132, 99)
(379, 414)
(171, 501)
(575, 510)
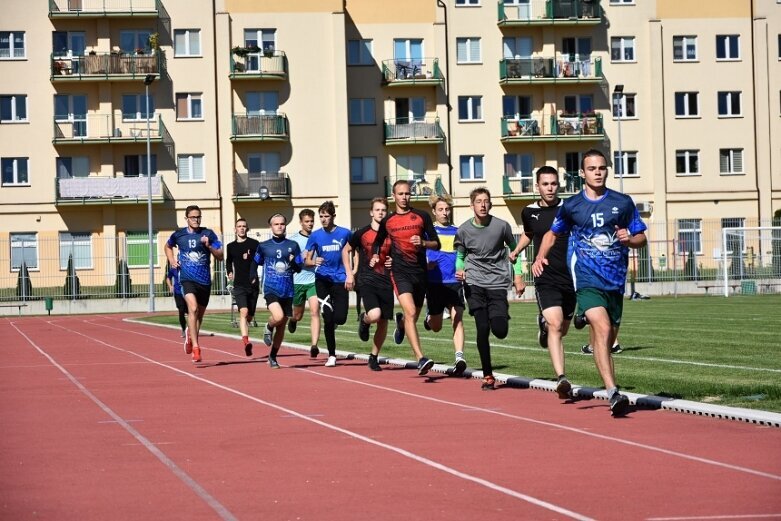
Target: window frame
(140, 239)
(687, 104)
(472, 168)
(12, 46)
(623, 48)
(622, 103)
(687, 154)
(12, 236)
(364, 46)
(467, 3)
(726, 48)
(140, 102)
(732, 154)
(74, 243)
(471, 108)
(188, 33)
(628, 159)
(695, 231)
(470, 42)
(79, 161)
(14, 106)
(141, 160)
(190, 159)
(685, 42)
(728, 103)
(366, 107)
(363, 161)
(15, 162)
(190, 98)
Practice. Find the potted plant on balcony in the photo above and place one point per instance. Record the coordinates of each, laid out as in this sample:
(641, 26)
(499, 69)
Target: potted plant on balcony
(154, 41)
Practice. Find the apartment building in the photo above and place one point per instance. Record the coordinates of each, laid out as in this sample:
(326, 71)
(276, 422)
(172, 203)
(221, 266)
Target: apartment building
(259, 106)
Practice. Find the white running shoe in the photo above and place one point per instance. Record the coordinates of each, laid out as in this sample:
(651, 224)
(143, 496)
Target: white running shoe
(331, 362)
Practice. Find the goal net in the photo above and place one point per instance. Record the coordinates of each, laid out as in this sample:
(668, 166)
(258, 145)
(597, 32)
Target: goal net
(751, 260)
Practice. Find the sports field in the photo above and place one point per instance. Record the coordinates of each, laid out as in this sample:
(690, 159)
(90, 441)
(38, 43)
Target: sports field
(718, 350)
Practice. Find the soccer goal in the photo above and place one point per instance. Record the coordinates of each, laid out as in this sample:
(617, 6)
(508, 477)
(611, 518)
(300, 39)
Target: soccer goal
(751, 260)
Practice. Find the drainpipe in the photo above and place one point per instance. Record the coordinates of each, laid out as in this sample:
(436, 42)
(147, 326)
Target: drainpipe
(442, 4)
(216, 75)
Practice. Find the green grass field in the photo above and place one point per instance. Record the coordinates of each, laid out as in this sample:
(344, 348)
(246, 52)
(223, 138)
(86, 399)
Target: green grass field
(718, 350)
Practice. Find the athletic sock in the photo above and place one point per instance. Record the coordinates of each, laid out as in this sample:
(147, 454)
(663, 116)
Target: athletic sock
(459, 354)
(612, 391)
(562, 376)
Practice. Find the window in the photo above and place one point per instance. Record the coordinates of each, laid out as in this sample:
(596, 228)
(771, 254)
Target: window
(191, 168)
(134, 107)
(576, 49)
(689, 236)
(579, 104)
(187, 42)
(131, 41)
(729, 103)
(519, 48)
(189, 106)
(363, 169)
(135, 165)
(517, 107)
(686, 104)
(262, 103)
(684, 48)
(464, 3)
(408, 50)
(412, 168)
(68, 167)
(728, 47)
(471, 168)
(264, 39)
(470, 108)
(24, 249)
(622, 48)
(361, 111)
(79, 247)
(520, 166)
(12, 45)
(731, 161)
(468, 50)
(624, 106)
(687, 162)
(138, 248)
(263, 163)
(620, 2)
(736, 239)
(359, 52)
(15, 171)
(69, 43)
(13, 108)
(625, 164)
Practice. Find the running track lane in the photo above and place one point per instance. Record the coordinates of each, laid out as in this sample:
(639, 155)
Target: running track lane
(129, 428)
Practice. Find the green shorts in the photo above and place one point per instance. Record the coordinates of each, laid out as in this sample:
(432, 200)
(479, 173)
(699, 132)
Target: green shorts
(612, 301)
(302, 293)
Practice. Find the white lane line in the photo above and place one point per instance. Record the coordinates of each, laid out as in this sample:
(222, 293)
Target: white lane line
(705, 518)
(403, 452)
(221, 511)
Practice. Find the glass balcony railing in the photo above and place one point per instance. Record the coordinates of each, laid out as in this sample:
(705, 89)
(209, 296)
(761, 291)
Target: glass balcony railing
(101, 8)
(106, 128)
(550, 70)
(260, 185)
(109, 190)
(257, 65)
(106, 66)
(424, 71)
(422, 186)
(552, 127)
(521, 186)
(545, 12)
(260, 127)
(403, 131)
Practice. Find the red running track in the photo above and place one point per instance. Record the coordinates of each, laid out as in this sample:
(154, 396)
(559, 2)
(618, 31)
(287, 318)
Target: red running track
(105, 419)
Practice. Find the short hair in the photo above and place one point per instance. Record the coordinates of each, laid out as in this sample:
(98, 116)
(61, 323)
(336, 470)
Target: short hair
(399, 182)
(191, 208)
(477, 191)
(591, 153)
(241, 219)
(436, 198)
(277, 215)
(327, 207)
(546, 170)
(306, 212)
(379, 200)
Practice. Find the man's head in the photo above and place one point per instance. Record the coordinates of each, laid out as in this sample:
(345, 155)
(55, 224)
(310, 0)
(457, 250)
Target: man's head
(442, 207)
(193, 216)
(593, 168)
(548, 184)
(241, 227)
(327, 213)
(379, 209)
(278, 224)
(480, 201)
(401, 195)
(306, 219)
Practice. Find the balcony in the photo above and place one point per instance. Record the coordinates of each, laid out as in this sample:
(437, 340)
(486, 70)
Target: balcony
(550, 12)
(248, 186)
(400, 131)
(522, 186)
(106, 67)
(262, 127)
(95, 190)
(271, 65)
(522, 71)
(106, 128)
(576, 127)
(104, 8)
(422, 186)
(401, 73)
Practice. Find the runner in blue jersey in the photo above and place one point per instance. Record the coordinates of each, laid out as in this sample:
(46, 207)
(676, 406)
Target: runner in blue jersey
(195, 247)
(602, 225)
(304, 285)
(280, 258)
(324, 250)
(175, 287)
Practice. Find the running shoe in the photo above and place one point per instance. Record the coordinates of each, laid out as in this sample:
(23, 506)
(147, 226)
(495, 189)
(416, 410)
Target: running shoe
(314, 351)
(188, 345)
(374, 364)
(563, 388)
(248, 348)
(426, 325)
(459, 367)
(398, 333)
(272, 363)
(424, 366)
(331, 362)
(445, 315)
(196, 354)
(586, 349)
(616, 349)
(292, 325)
(542, 334)
(363, 328)
(619, 405)
(580, 321)
(268, 334)
(489, 383)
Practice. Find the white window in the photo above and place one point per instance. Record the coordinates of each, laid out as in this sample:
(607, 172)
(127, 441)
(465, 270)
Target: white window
(359, 52)
(471, 168)
(262, 103)
(519, 48)
(687, 162)
(77, 246)
(69, 43)
(12, 45)
(736, 239)
(728, 47)
(191, 168)
(134, 107)
(138, 249)
(468, 50)
(689, 236)
(620, 2)
(625, 164)
(576, 49)
(15, 171)
(518, 165)
(622, 48)
(579, 104)
(24, 249)
(189, 106)
(687, 104)
(470, 108)
(135, 41)
(729, 103)
(411, 168)
(731, 161)
(13, 108)
(187, 42)
(136, 165)
(517, 107)
(68, 167)
(624, 106)
(408, 49)
(465, 3)
(363, 169)
(361, 111)
(263, 163)
(263, 39)
(684, 48)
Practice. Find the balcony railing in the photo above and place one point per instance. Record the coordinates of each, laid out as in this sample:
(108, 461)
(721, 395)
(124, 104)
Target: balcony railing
(106, 128)
(545, 12)
(262, 127)
(257, 66)
(249, 185)
(106, 66)
(109, 190)
(550, 70)
(401, 131)
(101, 8)
(522, 186)
(425, 71)
(553, 128)
(422, 186)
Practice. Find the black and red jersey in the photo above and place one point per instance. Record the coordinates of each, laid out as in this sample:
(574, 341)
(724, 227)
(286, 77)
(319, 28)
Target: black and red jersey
(400, 228)
(362, 241)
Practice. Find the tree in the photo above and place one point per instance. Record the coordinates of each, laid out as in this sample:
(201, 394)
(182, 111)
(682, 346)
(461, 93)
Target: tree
(72, 287)
(123, 286)
(24, 288)
(690, 265)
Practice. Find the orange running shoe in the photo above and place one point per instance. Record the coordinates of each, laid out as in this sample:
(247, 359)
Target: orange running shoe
(188, 344)
(196, 354)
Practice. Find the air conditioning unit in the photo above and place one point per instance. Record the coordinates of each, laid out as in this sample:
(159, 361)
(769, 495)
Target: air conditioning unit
(644, 207)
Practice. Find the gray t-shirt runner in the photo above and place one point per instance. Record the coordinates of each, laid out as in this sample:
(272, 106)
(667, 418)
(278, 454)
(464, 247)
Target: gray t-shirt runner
(486, 263)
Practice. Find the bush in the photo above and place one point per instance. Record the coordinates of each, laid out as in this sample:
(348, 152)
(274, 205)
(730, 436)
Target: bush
(776, 249)
(24, 288)
(72, 287)
(690, 266)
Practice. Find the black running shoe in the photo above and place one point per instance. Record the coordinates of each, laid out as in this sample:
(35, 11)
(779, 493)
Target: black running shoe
(272, 363)
(489, 383)
(363, 328)
(398, 333)
(248, 349)
(586, 349)
(563, 389)
(459, 367)
(292, 325)
(616, 349)
(314, 351)
(619, 405)
(424, 366)
(426, 325)
(542, 334)
(374, 364)
(580, 321)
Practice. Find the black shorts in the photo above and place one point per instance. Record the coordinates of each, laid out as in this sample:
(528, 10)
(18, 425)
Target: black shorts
(410, 283)
(375, 296)
(246, 298)
(202, 292)
(494, 300)
(554, 296)
(444, 296)
(181, 305)
(285, 303)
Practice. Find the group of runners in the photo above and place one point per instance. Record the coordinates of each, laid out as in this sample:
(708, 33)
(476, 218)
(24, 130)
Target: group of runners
(581, 261)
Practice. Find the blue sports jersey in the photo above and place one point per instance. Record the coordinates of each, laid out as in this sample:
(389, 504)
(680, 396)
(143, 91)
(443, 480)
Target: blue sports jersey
(442, 262)
(596, 258)
(307, 273)
(328, 245)
(280, 259)
(173, 276)
(194, 258)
